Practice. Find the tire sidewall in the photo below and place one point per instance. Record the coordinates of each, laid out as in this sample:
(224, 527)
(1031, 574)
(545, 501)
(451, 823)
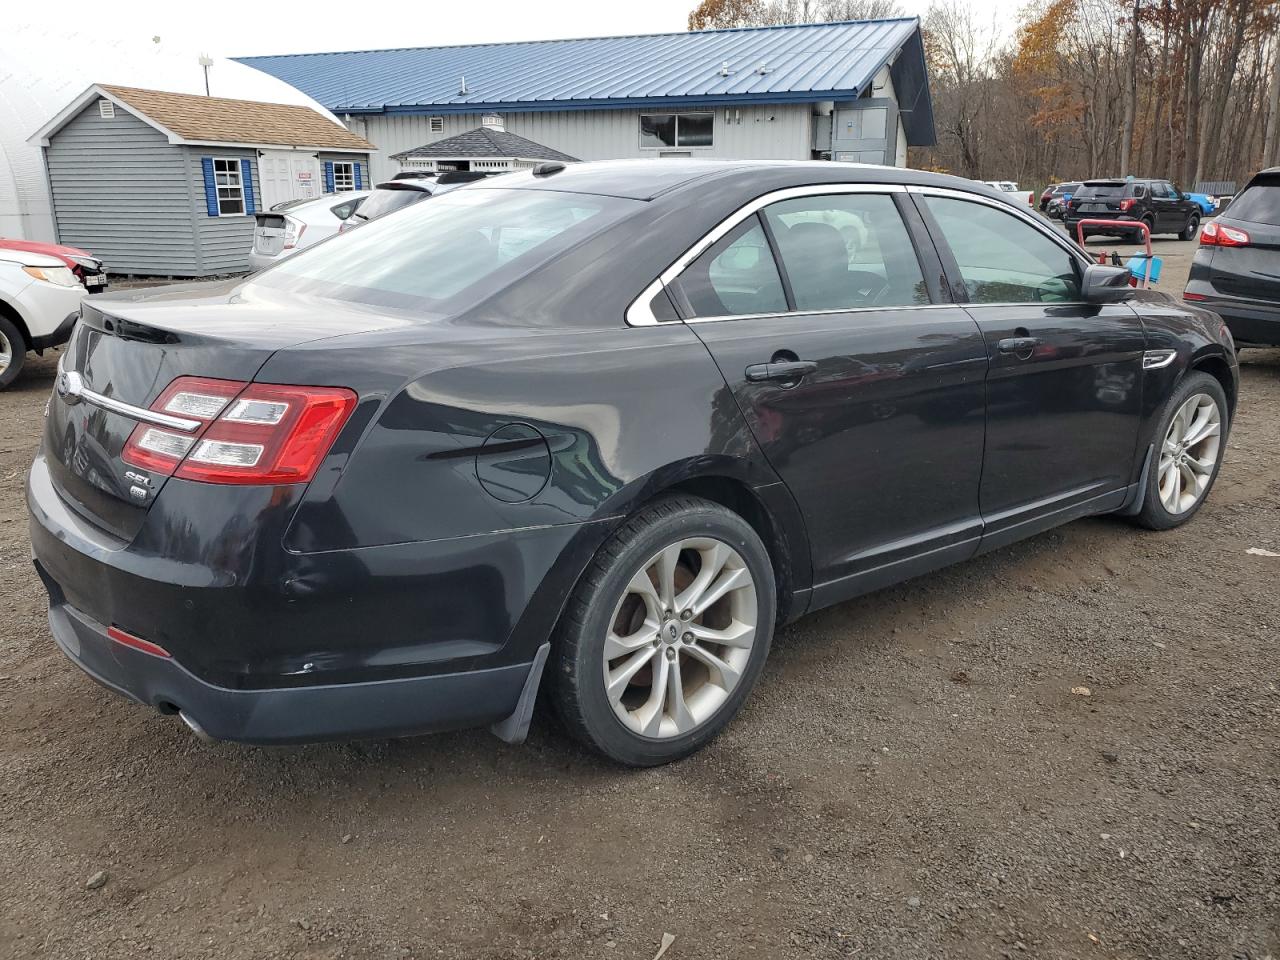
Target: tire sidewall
(19, 348)
(1154, 513)
(606, 730)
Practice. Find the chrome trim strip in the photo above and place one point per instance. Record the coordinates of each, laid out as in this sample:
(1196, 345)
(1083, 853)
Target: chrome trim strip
(1158, 359)
(639, 314)
(139, 413)
(821, 313)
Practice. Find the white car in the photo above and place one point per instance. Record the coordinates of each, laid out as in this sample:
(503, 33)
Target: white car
(289, 227)
(39, 304)
(1008, 186)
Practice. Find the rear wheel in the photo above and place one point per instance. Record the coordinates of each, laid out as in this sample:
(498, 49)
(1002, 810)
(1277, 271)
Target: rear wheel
(1151, 227)
(13, 352)
(1189, 231)
(1190, 438)
(666, 634)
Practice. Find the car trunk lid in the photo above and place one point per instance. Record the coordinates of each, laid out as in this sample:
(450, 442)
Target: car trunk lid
(269, 234)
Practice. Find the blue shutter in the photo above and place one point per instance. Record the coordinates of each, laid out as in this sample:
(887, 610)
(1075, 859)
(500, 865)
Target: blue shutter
(359, 175)
(246, 178)
(210, 190)
(328, 176)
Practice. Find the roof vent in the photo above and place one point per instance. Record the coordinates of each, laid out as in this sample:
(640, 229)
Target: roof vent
(491, 121)
(106, 110)
(724, 69)
(762, 69)
(462, 87)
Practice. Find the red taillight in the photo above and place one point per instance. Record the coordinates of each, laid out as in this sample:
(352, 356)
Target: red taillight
(129, 640)
(1127, 204)
(245, 432)
(1216, 234)
(1194, 296)
(1031, 199)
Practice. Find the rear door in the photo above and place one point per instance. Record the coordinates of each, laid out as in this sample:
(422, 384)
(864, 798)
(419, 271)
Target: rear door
(862, 388)
(1063, 391)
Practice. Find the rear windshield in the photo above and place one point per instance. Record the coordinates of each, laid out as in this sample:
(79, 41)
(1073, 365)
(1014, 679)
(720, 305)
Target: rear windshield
(443, 255)
(1066, 188)
(1088, 190)
(1259, 203)
(381, 202)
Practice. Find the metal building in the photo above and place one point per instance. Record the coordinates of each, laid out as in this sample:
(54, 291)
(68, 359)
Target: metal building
(853, 91)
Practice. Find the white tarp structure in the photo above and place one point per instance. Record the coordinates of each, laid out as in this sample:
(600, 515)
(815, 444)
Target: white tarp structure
(43, 67)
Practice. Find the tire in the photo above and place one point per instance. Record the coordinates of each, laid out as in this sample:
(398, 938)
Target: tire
(13, 352)
(1162, 507)
(635, 725)
(1151, 228)
(1189, 231)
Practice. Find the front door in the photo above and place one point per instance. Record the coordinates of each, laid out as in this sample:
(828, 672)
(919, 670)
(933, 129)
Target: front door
(865, 395)
(288, 175)
(1064, 388)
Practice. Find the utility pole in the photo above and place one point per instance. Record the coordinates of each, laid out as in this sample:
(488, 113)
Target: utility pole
(206, 63)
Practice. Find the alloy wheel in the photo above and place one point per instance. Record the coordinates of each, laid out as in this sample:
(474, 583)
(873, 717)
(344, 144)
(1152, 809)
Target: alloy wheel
(6, 352)
(1189, 453)
(680, 637)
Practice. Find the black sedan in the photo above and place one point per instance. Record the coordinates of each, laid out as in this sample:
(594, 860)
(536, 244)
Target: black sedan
(595, 430)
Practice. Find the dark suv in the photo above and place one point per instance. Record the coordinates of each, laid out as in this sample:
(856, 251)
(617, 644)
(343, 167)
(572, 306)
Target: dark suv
(1157, 203)
(1236, 271)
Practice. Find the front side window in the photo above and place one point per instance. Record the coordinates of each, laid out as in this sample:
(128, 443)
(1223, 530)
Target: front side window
(676, 129)
(230, 187)
(344, 176)
(1002, 258)
(447, 254)
(736, 276)
(846, 251)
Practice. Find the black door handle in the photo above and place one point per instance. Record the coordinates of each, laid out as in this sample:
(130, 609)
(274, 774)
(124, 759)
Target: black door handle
(1023, 347)
(784, 370)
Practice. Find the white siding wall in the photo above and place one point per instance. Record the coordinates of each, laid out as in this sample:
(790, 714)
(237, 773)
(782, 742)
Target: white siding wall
(779, 132)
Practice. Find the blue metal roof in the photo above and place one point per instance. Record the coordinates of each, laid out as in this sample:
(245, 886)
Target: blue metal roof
(800, 62)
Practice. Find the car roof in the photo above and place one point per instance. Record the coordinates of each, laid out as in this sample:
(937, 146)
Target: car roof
(650, 179)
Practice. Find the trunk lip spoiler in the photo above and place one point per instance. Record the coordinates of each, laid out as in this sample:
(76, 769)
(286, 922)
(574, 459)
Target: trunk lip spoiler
(71, 388)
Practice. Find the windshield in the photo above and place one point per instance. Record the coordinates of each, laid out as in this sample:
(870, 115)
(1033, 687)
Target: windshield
(436, 255)
(1260, 202)
(385, 201)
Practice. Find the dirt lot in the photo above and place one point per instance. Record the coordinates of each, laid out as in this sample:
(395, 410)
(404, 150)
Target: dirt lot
(914, 778)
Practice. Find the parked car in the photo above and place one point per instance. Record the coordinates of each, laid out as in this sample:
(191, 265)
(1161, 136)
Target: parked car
(1055, 190)
(406, 189)
(1236, 270)
(1059, 196)
(1207, 204)
(1157, 203)
(598, 427)
(289, 227)
(88, 269)
(39, 301)
(1011, 188)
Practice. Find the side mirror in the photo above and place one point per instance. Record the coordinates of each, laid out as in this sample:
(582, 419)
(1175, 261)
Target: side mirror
(1105, 284)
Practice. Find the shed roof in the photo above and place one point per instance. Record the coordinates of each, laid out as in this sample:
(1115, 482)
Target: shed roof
(794, 63)
(189, 118)
(485, 142)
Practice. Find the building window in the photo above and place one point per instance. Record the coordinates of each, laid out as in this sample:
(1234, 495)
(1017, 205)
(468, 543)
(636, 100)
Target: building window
(226, 176)
(344, 176)
(437, 124)
(659, 130)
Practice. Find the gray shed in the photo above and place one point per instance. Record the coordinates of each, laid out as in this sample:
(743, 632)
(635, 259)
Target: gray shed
(167, 184)
(488, 147)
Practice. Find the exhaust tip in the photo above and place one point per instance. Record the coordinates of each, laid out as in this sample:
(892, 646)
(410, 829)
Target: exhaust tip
(195, 727)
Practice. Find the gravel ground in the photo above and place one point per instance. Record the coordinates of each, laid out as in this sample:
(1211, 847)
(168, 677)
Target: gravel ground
(913, 778)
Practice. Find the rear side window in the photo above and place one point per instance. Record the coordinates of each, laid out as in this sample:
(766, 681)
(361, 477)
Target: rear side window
(735, 276)
(1002, 258)
(451, 252)
(346, 208)
(846, 251)
(1259, 203)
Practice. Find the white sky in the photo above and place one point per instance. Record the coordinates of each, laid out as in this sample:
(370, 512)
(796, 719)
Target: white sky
(302, 26)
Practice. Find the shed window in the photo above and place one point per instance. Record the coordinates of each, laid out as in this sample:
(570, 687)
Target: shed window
(676, 129)
(344, 175)
(226, 175)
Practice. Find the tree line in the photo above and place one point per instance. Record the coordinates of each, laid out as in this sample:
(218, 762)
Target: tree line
(1183, 89)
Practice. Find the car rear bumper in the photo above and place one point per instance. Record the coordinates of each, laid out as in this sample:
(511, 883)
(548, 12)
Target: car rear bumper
(292, 714)
(1248, 320)
(260, 261)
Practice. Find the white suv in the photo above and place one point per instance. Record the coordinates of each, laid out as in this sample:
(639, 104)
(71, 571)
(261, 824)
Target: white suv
(39, 304)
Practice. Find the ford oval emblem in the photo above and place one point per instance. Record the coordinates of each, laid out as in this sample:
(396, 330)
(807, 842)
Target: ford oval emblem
(70, 387)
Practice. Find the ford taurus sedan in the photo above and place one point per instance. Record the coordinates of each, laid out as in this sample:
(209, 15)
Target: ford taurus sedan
(592, 431)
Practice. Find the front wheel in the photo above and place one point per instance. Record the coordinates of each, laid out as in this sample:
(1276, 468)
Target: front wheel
(1189, 231)
(13, 352)
(1190, 440)
(666, 634)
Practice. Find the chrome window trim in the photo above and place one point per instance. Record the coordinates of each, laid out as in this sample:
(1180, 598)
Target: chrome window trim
(639, 313)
